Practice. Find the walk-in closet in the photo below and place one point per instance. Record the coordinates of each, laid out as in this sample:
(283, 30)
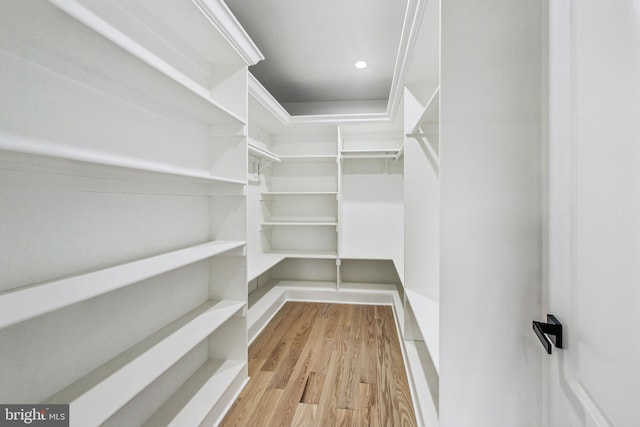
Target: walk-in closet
(401, 213)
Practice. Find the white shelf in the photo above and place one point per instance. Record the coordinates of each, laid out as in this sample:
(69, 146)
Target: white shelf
(298, 193)
(305, 254)
(28, 302)
(370, 151)
(427, 314)
(140, 39)
(357, 255)
(310, 158)
(260, 152)
(375, 153)
(298, 224)
(431, 112)
(96, 397)
(20, 144)
(191, 403)
(264, 263)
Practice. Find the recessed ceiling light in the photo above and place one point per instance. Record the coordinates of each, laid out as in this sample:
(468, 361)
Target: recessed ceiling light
(361, 64)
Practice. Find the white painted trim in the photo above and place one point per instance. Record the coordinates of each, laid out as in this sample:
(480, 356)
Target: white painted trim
(340, 201)
(264, 97)
(594, 417)
(220, 16)
(410, 31)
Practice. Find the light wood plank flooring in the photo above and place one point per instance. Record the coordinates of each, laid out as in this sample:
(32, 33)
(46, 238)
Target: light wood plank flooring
(326, 365)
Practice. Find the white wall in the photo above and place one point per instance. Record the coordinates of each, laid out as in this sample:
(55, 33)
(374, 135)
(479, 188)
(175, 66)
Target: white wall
(372, 209)
(594, 212)
(490, 179)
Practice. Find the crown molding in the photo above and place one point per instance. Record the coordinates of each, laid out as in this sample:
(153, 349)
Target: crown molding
(410, 30)
(219, 14)
(264, 97)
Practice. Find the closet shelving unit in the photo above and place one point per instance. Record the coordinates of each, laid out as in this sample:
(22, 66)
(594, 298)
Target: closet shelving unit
(422, 214)
(130, 117)
(424, 302)
(298, 201)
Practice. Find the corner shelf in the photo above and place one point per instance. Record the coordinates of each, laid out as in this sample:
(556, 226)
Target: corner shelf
(191, 403)
(97, 396)
(18, 305)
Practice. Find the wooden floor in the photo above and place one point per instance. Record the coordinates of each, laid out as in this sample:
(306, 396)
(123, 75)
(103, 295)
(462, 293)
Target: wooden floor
(326, 365)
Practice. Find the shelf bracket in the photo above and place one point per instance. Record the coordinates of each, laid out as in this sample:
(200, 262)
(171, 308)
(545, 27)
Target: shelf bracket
(258, 164)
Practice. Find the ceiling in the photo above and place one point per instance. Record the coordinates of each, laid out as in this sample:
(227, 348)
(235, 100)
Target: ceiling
(310, 49)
